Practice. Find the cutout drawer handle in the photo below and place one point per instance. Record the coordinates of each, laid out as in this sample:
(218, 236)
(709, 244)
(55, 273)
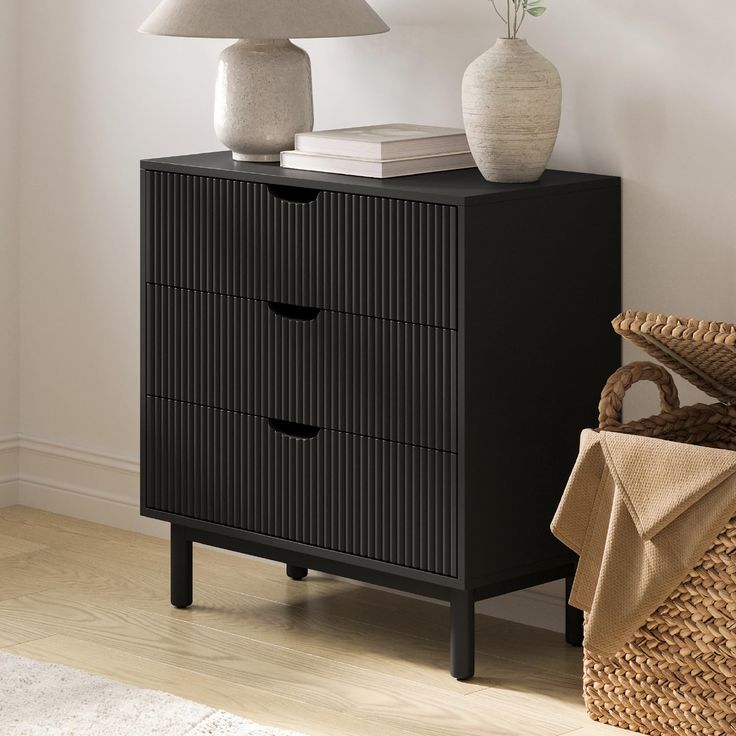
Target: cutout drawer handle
(293, 195)
(294, 430)
(292, 311)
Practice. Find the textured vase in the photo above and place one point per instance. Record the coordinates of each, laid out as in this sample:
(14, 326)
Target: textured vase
(512, 100)
(263, 98)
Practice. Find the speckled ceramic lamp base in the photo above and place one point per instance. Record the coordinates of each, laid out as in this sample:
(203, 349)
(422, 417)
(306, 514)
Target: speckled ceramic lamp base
(263, 98)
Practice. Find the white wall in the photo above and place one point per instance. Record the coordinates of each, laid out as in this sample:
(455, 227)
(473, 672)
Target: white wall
(648, 94)
(9, 168)
(97, 98)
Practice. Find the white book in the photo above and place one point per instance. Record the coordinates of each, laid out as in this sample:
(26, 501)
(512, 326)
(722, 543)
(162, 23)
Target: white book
(384, 142)
(375, 169)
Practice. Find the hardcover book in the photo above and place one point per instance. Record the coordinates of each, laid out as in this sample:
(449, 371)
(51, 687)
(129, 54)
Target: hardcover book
(375, 169)
(384, 142)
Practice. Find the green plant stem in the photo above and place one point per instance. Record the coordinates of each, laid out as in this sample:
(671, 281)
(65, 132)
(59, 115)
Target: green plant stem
(513, 25)
(521, 22)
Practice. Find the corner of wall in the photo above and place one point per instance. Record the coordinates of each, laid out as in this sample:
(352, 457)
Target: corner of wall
(8, 471)
(83, 484)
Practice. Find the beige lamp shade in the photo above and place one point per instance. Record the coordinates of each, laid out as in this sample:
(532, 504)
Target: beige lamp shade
(264, 19)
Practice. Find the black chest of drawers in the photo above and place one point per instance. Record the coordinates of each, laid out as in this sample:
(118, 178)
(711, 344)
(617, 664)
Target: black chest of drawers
(377, 379)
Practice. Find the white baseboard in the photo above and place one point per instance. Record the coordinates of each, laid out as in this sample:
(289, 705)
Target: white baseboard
(82, 504)
(105, 489)
(8, 493)
(74, 482)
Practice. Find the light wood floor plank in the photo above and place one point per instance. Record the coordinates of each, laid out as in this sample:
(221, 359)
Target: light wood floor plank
(13, 546)
(49, 568)
(54, 530)
(10, 635)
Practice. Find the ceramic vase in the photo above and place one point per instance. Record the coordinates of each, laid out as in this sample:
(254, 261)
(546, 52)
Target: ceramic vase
(512, 99)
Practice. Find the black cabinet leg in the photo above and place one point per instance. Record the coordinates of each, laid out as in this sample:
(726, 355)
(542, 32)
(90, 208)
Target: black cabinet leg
(573, 618)
(462, 635)
(181, 567)
(296, 573)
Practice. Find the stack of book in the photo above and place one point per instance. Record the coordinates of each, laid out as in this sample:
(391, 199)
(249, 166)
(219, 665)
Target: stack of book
(381, 151)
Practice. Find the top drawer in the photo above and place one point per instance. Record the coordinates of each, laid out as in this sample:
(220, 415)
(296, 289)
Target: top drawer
(350, 253)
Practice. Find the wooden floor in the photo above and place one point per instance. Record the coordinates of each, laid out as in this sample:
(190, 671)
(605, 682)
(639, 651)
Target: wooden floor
(322, 657)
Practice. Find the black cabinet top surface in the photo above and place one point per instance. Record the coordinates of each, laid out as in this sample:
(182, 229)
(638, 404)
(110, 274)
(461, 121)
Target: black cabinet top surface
(465, 187)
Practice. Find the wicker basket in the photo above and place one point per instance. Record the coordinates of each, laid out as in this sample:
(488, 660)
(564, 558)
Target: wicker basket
(678, 674)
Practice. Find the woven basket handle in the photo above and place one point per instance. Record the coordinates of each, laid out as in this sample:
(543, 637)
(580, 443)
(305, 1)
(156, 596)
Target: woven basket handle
(610, 409)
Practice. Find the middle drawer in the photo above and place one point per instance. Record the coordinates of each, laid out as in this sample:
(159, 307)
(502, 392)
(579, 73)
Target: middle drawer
(375, 377)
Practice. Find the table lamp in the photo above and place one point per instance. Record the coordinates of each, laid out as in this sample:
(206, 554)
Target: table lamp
(264, 82)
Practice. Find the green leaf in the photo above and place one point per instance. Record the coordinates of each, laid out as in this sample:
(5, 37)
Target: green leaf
(533, 3)
(536, 12)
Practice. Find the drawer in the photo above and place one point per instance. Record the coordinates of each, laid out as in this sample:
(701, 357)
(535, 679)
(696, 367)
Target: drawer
(365, 255)
(379, 378)
(381, 500)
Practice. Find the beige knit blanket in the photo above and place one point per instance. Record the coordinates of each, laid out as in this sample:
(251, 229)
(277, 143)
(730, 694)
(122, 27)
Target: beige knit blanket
(640, 513)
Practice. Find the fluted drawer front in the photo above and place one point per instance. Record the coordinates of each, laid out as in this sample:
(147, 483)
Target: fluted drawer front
(366, 255)
(376, 499)
(379, 378)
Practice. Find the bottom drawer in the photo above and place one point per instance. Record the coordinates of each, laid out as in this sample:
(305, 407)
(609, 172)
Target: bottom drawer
(349, 493)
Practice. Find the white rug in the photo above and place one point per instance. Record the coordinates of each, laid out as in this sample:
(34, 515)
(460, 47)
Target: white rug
(38, 699)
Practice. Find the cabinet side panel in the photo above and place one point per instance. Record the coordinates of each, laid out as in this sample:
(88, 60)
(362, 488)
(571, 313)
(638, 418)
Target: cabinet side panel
(542, 281)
